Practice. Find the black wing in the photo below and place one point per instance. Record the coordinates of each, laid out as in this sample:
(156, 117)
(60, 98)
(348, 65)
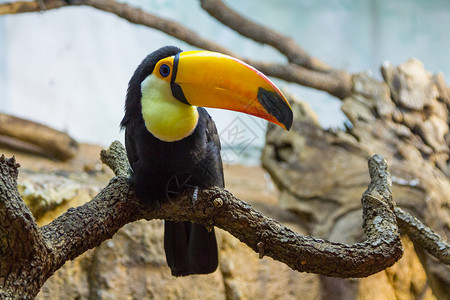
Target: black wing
(130, 144)
(213, 159)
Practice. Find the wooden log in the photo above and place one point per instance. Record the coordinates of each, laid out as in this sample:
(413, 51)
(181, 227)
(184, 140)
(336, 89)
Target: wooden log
(46, 140)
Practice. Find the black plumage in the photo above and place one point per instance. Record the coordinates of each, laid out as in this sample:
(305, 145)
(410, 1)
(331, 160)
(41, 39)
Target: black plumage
(158, 166)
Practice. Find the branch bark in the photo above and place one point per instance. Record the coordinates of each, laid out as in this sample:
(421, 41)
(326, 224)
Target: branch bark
(406, 119)
(338, 84)
(87, 226)
(308, 254)
(122, 10)
(264, 35)
(47, 140)
(20, 239)
(422, 235)
(302, 67)
(45, 250)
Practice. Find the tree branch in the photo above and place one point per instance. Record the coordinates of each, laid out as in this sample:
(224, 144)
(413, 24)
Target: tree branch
(122, 10)
(53, 142)
(18, 7)
(14, 214)
(113, 157)
(308, 254)
(87, 226)
(264, 35)
(338, 84)
(303, 69)
(422, 235)
(20, 239)
(138, 16)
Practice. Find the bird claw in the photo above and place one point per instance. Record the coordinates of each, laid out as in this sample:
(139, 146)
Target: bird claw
(209, 227)
(195, 195)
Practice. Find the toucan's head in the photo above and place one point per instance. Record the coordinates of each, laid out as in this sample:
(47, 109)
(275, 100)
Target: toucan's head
(169, 84)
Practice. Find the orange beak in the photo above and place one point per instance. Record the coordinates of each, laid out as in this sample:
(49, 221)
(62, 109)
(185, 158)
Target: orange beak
(209, 79)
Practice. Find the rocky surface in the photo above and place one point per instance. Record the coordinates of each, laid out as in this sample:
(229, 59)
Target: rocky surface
(322, 173)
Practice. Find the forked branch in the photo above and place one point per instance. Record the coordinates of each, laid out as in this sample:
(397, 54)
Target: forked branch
(87, 226)
(301, 68)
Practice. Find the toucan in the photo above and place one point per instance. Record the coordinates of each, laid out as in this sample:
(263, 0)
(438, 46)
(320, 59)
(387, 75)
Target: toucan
(172, 142)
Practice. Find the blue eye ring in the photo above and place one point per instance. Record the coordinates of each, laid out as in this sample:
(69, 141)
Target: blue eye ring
(164, 70)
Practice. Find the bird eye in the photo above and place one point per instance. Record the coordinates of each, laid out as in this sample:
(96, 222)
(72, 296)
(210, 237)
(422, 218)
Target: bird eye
(164, 70)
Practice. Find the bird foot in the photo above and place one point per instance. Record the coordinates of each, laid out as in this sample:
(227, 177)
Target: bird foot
(195, 195)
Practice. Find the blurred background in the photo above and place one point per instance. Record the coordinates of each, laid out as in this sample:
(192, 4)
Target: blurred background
(69, 68)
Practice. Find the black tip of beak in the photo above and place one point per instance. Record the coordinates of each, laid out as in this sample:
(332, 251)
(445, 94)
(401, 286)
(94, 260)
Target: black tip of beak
(276, 106)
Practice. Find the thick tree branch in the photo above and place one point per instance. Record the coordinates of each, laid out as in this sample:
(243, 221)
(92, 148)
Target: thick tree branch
(87, 226)
(20, 239)
(116, 206)
(303, 69)
(14, 214)
(309, 254)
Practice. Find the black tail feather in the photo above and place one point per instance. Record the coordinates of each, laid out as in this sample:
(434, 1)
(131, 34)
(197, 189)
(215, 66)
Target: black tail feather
(190, 248)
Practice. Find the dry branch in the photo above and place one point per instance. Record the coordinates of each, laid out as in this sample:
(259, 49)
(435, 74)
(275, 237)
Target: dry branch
(20, 239)
(405, 118)
(113, 158)
(87, 226)
(49, 141)
(422, 235)
(302, 69)
(264, 35)
(308, 254)
(123, 10)
(338, 84)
